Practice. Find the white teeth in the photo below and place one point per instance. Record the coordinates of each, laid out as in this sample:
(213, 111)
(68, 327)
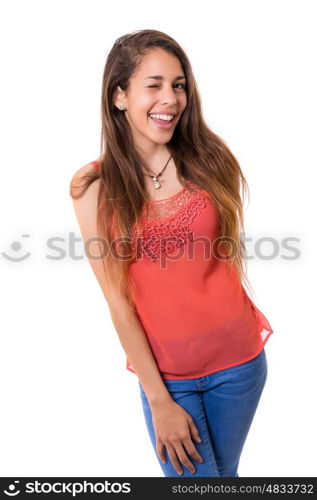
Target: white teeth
(163, 117)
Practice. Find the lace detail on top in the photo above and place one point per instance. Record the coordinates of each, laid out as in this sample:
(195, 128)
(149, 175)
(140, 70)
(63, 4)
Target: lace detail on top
(165, 224)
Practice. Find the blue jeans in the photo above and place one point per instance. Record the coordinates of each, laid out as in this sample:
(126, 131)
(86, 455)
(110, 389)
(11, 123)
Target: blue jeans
(222, 405)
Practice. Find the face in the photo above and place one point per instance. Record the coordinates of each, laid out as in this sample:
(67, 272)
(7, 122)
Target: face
(146, 95)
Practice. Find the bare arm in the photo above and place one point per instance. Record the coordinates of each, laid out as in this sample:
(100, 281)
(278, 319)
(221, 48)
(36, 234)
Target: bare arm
(127, 324)
(136, 346)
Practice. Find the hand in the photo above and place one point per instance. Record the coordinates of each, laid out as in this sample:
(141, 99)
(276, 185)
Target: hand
(175, 429)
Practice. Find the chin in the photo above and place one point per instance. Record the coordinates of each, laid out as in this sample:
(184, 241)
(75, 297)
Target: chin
(162, 140)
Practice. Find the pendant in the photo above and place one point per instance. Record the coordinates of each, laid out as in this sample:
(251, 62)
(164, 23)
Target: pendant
(156, 183)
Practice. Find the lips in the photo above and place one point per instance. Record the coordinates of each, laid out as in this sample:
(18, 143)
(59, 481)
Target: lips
(163, 124)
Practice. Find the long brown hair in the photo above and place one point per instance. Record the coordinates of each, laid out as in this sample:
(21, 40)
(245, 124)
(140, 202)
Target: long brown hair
(199, 155)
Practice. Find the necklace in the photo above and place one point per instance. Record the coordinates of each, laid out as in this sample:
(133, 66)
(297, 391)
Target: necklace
(156, 183)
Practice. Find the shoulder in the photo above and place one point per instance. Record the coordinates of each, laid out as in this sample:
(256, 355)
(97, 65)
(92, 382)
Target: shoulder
(79, 178)
(85, 170)
(84, 193)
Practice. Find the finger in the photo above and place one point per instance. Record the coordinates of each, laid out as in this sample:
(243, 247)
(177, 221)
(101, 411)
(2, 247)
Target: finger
(160, 451)
(194, 431)
(191, 450)
(182, 455)
(174, 459)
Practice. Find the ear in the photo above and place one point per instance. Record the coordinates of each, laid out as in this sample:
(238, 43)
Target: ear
(119, 97)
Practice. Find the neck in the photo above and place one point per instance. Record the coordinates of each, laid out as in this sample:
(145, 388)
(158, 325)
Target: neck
(155, 158)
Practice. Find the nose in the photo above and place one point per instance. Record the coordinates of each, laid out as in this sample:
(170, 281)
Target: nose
(168, 95)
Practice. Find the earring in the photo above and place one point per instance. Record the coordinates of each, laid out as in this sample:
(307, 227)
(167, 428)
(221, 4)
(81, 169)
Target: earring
(121, 106)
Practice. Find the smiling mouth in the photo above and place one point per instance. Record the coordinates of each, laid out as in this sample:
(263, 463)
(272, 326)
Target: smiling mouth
(161, 120)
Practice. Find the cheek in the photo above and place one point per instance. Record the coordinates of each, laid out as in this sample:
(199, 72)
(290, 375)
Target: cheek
(145, 104)
(184, 102)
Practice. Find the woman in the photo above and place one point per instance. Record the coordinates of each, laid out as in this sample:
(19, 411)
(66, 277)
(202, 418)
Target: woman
(161, 213)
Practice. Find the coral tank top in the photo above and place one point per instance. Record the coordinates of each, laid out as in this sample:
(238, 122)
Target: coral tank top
(196, 314)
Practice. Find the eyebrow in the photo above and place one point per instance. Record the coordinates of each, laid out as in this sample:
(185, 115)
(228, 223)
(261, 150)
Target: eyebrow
(159, 77)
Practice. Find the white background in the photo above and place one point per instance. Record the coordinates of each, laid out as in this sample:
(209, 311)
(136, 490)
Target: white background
(69, 406)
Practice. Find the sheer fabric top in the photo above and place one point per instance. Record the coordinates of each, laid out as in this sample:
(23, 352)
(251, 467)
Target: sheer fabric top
(196, 314)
